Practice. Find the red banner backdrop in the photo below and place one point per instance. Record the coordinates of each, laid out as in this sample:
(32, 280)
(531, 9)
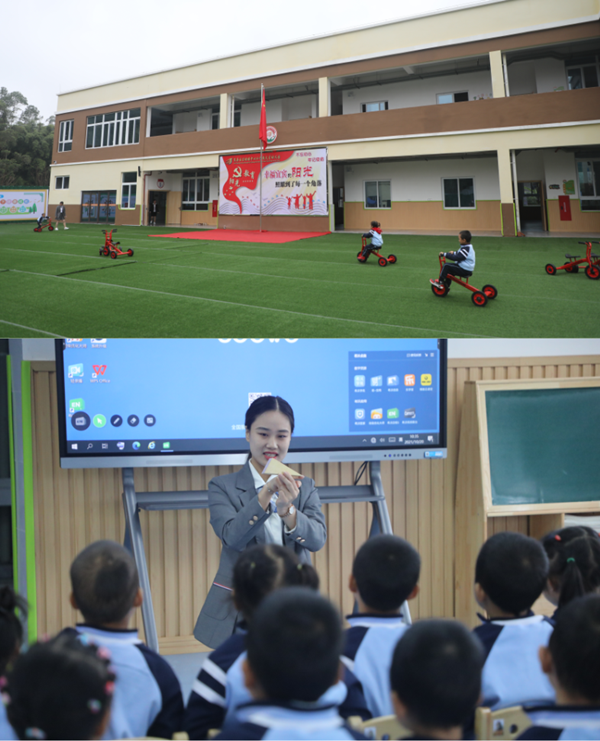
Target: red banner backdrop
(243, 171)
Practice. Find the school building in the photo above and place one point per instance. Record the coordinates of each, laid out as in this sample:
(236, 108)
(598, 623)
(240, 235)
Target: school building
(484, 118)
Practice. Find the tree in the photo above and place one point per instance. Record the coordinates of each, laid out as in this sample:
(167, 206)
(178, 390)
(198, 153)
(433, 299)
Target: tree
(25, 142)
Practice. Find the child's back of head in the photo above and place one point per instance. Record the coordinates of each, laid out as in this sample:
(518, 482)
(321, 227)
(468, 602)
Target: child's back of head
(294, 645)
(61, 689)
(105, 582)
(436, 675)
(575, 649)
(263, 569)
(574, 556)
(512, 570)
(11, 629)
(386, 571)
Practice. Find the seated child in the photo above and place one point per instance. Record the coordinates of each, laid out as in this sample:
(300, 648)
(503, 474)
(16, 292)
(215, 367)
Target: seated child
(219, 688)
(574, 555)
(147, 699)
(510, 574)
(571, 661)
(384, 574)
(374, 234)
(61, 689)
(42, 220)
(11, 638)
(436, 678)
(294, 644)
(464, 258)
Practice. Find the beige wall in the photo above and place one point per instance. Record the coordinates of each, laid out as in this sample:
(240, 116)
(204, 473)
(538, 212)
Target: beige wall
(74, 507)
(425, 216)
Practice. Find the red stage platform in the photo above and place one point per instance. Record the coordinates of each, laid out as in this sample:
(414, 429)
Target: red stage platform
(235, 235)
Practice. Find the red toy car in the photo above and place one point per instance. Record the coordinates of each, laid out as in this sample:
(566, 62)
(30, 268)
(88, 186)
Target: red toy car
(478, 297)
(112, 248)
(383, 261)
(593, 262)
(45, 224)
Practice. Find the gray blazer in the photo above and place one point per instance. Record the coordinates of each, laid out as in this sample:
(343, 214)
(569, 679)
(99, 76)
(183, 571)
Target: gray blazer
(238, 520)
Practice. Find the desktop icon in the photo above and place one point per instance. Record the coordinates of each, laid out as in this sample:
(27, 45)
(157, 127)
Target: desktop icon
(133, 420)
(98, 342)
(151, 445)
(120, 446)
(75, 370)
(80, 421)
(425, 379)
(90, 446)
(149, 420)
(116, 420)
(376, 381)
(410, 413)
(99, 370)
(429, 438)
(136, 445)
(393, 413)
(409, 379)
(99, 420)
(74, 446)
(393, 380)
(359, 414)
(166, 446)
(359, 381)
(373, 440)
(104, 446)
(74, 339)
(76, 405)
(391, 439)
(377, 413)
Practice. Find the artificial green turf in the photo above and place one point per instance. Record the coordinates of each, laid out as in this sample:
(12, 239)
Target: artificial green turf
(56, 284)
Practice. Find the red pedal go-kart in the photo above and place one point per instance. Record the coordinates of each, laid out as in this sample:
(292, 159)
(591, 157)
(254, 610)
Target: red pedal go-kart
(383, 261)
(112, 248)
(574, 261)
(478, 297)
(44, 225)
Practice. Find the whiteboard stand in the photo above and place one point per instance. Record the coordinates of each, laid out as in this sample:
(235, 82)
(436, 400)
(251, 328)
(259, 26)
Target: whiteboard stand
(134, 501)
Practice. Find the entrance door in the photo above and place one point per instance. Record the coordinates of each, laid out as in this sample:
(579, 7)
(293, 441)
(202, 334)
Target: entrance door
(161, 199)
(338, 207)
(531, 206)
(99, 207)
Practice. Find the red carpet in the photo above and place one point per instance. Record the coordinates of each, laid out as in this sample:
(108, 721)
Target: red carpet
(235, 235)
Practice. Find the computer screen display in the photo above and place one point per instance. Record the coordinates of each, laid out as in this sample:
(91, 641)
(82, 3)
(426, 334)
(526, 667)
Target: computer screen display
(153, 402)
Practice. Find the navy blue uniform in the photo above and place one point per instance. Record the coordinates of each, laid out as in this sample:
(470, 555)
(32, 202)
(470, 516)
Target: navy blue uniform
(566, 722)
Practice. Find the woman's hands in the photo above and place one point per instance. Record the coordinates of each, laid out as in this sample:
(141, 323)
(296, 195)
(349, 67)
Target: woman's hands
(288, 490)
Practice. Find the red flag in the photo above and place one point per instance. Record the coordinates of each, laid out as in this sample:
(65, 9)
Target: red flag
(262, 130)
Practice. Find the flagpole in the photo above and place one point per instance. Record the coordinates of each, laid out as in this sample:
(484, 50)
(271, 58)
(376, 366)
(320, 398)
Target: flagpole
(260, 168)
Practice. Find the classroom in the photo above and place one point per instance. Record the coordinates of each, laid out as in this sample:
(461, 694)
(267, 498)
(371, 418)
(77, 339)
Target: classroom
(445, 505)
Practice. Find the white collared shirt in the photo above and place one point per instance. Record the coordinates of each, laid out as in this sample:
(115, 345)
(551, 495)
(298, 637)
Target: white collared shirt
(273, 533)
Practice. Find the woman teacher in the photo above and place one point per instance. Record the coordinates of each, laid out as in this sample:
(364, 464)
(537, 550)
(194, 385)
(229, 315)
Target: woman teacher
(249, 507)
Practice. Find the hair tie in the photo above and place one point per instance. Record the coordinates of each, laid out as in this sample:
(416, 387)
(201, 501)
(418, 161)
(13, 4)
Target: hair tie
(252, 565)
(34, 733)
(557, 537)
(3, 682)
(299, 567)
(103, 653)
(109, 688)
(570, 560)
(94, 706)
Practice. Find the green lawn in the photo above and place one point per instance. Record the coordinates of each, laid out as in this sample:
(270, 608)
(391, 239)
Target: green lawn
(56, 284)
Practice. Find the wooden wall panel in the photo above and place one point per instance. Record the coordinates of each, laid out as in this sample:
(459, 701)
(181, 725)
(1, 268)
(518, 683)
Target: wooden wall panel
(74, 508)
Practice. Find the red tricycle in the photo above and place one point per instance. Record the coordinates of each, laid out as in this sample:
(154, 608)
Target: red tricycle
(43, 225)
(478, 297)
(112, 248)
(383, 261)
(574, 261)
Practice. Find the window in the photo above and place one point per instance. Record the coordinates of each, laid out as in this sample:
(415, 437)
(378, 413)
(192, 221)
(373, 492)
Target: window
(588, 173)
(214, 121)
(196, 191)
(458, 193)
(128, 190)
(113, 129)
(237, 113)
(62, 183)
(65, 136)
(452, 97)
(585, 75)
(378, 194)
(368, 107)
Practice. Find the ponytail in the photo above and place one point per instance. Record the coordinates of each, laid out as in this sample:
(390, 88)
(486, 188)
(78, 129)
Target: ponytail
(11, 629)
(574, 555)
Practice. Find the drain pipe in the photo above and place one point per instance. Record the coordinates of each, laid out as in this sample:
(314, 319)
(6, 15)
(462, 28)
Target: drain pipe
(513, 160)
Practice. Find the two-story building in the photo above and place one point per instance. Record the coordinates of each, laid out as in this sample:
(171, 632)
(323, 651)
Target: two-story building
(485, 118)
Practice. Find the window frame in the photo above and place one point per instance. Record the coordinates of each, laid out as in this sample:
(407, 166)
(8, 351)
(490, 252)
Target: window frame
(380, 103)
(185, 204)
(457, 179)
(453, 94)
(595, 167)
(115, 129)
(379, 207)
(61, 179)
(595, 65)
(129, 186)
(65, 135)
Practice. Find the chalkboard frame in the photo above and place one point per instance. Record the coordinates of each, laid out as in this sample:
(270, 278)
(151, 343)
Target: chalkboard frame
(504, 510)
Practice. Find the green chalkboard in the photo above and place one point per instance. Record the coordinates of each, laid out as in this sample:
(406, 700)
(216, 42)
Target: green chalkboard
(544, 445)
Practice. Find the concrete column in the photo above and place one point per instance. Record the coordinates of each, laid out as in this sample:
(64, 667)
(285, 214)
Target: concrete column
(324, 97)
(506, 193)
(497, 74)
(330, 204)
(224, 118)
